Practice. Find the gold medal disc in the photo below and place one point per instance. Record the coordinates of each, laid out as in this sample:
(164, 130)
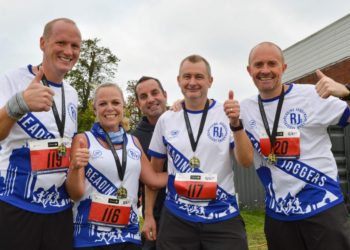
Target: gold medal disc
(62, 150)
(194, 162)
(272, 159)
(122, 193)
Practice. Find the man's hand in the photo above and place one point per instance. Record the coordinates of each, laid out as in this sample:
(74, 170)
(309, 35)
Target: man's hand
(326, 86)
(177, 105)
(149, 229)
(37, 96)
(232, 109)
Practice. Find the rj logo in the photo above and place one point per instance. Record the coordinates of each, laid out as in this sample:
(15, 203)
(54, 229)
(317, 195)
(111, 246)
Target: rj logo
(295, 118)
(217, 132)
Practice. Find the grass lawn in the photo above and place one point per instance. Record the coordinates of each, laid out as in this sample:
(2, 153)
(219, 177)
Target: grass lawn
(254, 223)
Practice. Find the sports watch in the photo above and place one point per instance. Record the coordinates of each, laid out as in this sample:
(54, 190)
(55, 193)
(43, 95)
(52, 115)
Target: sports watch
(239, 127)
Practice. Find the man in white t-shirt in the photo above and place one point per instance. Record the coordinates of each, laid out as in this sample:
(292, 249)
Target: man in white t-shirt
(200, 210)
(287, 125)
(38, 118)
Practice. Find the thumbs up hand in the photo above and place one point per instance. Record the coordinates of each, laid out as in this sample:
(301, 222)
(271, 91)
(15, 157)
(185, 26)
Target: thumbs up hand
(37, 96)
(326, 86)
(80, 153)
(232, 109)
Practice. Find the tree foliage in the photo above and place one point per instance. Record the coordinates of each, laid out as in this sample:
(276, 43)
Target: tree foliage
(86, 118)
(96, 65)
(131, 110)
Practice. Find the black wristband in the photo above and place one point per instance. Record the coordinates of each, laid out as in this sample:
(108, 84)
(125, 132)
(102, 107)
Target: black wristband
(240, 126)
(346, 98)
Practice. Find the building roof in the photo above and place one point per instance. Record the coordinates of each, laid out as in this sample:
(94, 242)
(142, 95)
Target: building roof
(325, 47)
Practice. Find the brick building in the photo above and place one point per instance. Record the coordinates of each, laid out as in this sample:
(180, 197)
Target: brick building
(327, 49)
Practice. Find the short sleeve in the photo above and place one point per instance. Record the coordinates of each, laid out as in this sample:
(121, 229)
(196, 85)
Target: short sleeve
(157, 148)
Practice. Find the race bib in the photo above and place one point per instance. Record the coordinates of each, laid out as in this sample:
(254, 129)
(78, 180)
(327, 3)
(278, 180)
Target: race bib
(287, 144)
(45, 157)
(109, 211)
(196, 186)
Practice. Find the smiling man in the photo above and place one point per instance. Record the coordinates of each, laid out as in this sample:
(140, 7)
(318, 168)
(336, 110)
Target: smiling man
(287, 124)
(151, 100)
(198, 143)
(38, 118)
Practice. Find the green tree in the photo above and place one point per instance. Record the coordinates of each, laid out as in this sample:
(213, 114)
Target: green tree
(131, 111)
(96, 65)
(86, 118)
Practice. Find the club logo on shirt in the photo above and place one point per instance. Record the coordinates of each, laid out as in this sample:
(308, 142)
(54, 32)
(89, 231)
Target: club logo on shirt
(132, 153)
(252, 123)
(173, 134)
(217, 132)
(295, 118)
(96, 154)
(72, 111)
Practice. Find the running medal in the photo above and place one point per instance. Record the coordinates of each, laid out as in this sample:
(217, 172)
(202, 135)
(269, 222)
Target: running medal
(122, 193)
(62, 150)
(271, 159)
(194, 162)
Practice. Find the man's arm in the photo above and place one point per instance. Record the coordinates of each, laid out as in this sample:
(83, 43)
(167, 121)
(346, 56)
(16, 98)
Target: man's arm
(35, 97)
(6, 123)
(326, 87)
(243, 149)
(149, 227)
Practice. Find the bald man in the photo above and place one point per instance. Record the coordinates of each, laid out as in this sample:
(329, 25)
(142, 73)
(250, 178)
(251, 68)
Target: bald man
(287, 125)
(38, 118)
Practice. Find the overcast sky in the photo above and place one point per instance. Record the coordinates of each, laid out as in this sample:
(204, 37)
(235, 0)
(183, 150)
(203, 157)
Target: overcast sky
(151, 37)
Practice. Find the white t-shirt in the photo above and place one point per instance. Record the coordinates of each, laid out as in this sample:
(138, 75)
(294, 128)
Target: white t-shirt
(19, 186)
(301, 187)
(170, 140)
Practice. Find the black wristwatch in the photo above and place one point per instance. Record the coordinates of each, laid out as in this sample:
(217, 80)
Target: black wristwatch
(346, 98)
(239, 127)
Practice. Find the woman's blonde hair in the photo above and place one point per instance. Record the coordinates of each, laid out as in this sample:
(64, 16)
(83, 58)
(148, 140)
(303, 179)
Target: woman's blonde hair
(125, 121)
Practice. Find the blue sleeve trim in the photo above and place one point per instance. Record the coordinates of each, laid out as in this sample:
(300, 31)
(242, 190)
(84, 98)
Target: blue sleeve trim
(87, 138)
(133, 138)
(164, 141)
(343, 122)
(156, 154)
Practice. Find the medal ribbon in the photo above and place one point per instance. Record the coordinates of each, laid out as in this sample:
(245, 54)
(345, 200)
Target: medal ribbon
(272, 136)
(201, 126)
(120, 167)
(60, 123)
